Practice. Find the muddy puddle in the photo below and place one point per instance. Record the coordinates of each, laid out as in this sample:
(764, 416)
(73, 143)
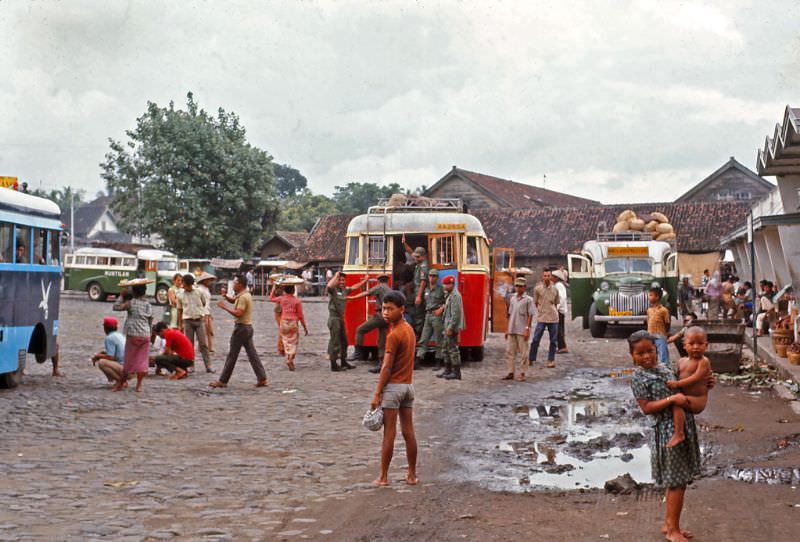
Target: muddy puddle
(574, 433)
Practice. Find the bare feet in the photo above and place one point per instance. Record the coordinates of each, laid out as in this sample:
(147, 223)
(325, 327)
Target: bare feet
(138, 389)
(676, 536)
(675, 440)
(550, 365)
(380, 482)
(119, 385)
(509, 376)
(217, 384)
(290, 364)
(180, 374)
(687, 534)
(562, 351)
(521, 377)
(411, 479)
(56, 372)
(261, 383)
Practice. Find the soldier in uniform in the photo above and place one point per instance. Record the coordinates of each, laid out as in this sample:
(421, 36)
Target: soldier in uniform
(337, 300)
(432, 328)
(453, 325)
(420, 256)
(375, 321)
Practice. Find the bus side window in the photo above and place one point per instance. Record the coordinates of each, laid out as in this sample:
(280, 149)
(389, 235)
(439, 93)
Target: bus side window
(40, 247)
(80, 260)
(130, 262)
(55, 246)
(352, 251)
(102, 260)
(6, 244)
(376, 254)
(472, 251)
(23, 254)
(91, 260)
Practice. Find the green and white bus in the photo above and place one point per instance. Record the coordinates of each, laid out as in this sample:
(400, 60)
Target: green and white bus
(98, 271)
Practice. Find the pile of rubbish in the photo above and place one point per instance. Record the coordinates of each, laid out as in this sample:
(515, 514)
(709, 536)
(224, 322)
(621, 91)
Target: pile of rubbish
(655, 223)
(758, 376)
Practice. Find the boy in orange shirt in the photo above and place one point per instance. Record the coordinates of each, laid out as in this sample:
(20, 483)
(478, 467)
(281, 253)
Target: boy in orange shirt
(658, 323)
(395, 391)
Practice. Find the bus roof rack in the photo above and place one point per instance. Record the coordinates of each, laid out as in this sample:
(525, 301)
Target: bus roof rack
(399, 203)
(625, 236)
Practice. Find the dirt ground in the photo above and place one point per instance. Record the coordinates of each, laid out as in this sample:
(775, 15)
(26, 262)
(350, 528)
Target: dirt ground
(181, 461)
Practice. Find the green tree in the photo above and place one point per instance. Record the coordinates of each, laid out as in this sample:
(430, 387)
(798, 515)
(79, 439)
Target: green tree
(356, 198)
(301, 212)
(62, 196)
(193, 179)
(289, 181)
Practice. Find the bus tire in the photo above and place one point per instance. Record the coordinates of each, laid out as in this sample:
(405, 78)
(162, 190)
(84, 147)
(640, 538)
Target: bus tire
(477, 353)
(596, 328)
(162, 296)
(585, 321)
(95, 292)
(10, 380)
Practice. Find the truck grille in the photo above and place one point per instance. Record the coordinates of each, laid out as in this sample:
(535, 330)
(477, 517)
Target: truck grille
(635, 302)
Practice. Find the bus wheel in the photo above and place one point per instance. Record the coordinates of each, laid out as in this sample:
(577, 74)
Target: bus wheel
(477, 353)
(597, 329)
(96, 292)
(161, 294)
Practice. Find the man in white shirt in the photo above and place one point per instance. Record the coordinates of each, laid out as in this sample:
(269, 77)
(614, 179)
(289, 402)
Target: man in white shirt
(520, 317)
(561, 279)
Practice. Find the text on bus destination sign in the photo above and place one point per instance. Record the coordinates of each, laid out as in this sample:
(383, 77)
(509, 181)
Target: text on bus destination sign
(451, 226)
(628, 251)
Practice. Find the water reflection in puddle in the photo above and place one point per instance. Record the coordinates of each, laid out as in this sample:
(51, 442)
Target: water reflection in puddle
(559, 435)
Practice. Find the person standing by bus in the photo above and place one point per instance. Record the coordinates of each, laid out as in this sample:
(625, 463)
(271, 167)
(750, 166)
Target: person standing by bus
(520, 317)
(192, 313)
(172, 297)
(242, 336)
(434, 323)
(453, 325)
(337, 301)
(546, 300)
(561, 285)
(205, 282)
(291, 315)
(420, 256)
(375, 321)
(138, 326)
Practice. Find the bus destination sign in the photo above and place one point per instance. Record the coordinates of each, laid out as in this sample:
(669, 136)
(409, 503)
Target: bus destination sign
(451, 226)
(628, 251)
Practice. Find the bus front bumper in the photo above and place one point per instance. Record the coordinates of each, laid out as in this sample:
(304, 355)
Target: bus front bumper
(621, 319)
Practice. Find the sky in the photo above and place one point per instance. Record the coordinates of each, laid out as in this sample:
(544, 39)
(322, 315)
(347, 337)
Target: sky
(615, 100)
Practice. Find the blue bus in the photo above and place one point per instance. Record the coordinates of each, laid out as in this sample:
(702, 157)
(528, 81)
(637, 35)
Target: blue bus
(30, 281)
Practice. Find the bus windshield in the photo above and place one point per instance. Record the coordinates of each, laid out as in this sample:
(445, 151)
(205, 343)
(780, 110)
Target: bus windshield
(623, 265)
(167, 265)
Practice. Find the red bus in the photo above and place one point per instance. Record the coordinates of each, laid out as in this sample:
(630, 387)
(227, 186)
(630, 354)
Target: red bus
(456, 245)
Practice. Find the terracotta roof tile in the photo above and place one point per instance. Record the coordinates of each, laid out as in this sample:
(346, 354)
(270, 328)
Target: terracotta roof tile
(523, 195)
(325, 243)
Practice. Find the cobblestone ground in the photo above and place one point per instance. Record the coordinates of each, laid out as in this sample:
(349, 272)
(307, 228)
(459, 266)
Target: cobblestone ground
(78, 462)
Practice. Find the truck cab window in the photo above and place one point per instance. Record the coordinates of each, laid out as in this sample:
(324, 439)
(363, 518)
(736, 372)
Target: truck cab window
(352, 251)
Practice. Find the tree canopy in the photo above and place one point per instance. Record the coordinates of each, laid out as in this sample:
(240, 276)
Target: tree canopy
(356, 198)
(63, 196)
(289, 181)
(194, 180)
(301, 212)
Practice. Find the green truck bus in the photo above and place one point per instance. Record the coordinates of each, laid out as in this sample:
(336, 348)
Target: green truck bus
(98, 271)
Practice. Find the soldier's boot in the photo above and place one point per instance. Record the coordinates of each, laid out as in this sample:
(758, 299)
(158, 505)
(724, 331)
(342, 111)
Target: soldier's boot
(335, 366)
(445, 372)
(454, 375)
(358, 354)
(346, 365)
(376, 369)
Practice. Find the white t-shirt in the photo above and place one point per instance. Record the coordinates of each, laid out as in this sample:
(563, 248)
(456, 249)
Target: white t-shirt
(562, 294)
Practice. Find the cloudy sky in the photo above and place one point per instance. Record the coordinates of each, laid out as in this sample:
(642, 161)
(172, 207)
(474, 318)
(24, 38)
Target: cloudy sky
(617, 100)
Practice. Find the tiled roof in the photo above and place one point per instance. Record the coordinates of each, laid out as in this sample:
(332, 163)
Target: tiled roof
(730, 164)
(325, 243)
(293, 238)
(558, 231)
(87, 215)
(517, 195)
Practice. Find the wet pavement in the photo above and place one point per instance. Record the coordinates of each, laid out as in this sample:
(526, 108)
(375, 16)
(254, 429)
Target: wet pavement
(182, 461)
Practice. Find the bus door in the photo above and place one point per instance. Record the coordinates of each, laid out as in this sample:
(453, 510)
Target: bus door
(581, 285)
(444, 254)
(502, 287)
(149, 270)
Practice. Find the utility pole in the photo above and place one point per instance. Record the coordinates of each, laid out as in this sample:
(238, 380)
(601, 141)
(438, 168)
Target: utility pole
(72, 221)
(751, 241)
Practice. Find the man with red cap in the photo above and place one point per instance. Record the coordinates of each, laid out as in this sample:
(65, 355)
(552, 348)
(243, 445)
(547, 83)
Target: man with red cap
(110, 359)
(453, 325)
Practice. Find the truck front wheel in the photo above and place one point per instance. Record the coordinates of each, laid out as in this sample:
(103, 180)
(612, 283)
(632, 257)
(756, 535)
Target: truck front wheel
(596, 328)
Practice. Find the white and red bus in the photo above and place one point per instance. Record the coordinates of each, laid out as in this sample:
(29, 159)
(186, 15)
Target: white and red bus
(456, 245)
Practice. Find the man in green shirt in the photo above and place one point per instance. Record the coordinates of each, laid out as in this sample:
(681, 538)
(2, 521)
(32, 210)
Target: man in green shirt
(420, 256)
(453, 325)
(337, 301)
(433, 325)
(375, 321)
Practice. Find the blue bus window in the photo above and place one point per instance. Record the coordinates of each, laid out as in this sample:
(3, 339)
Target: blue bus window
(23, 246)
(55, 245)
(6, 243)
(39, 246)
